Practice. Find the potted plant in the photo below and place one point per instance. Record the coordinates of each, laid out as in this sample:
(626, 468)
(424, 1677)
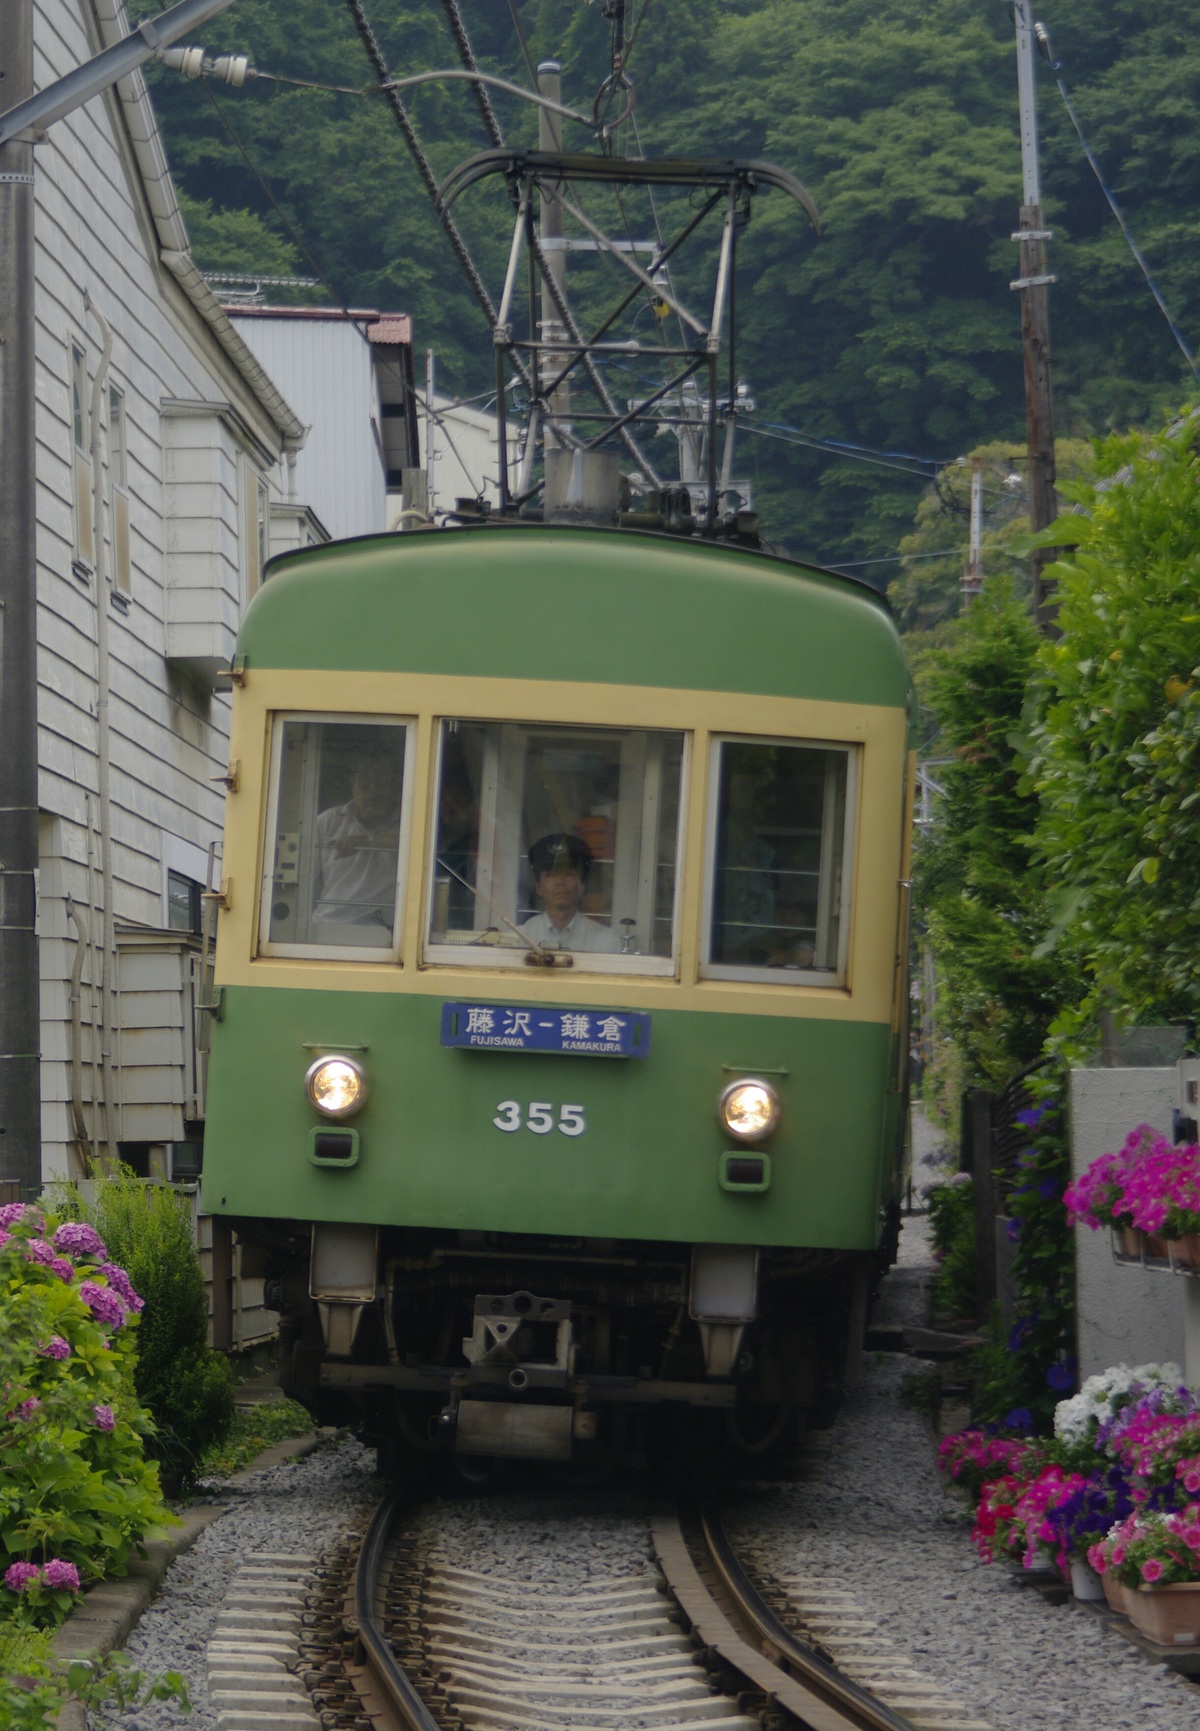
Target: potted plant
(1155, 1555)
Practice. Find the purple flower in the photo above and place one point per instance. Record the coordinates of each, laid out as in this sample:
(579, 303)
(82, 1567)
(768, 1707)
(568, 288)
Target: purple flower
(55, 1347)
(103, 1416)
(1020, 1418)
(1061, 1376)
(120, 1282)
(77, 1238)
(27, 1408)
(64, 1269)
(1048, 1187)
(37, 1250)
(105, 1305)
(14, 1211)
(19, 1577)
(62, 1574)
(1031, 1117)
(1012, 1230)
(5, 1236)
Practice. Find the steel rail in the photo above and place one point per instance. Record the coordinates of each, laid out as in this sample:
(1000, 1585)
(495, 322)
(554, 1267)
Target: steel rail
(802, 1686)
(389, 1699)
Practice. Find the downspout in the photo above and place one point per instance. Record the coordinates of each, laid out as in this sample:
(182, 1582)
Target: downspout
(96, 451)
(78, 1121)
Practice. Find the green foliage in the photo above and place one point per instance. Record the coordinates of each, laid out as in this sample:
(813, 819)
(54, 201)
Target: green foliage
(253, 1431)
(951, 1206)
(1115, 759)
(896, 330)
(186, 1386)
(223, 240)
(76, 1493)
(1021, 1377)
(34, 1689)
(985, 915)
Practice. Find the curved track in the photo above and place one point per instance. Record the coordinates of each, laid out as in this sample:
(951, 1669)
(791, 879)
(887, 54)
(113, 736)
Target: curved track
(698, 1648)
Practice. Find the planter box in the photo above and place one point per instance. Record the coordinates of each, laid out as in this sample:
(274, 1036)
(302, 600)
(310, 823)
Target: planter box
(1168, 1615)
(1114, 1593)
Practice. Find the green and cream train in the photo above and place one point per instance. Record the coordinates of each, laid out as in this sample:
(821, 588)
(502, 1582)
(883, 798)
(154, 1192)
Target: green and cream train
(559, 1048)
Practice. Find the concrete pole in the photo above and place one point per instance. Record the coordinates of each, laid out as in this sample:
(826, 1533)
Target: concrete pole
(20, 1102)
(552, 239)
(1033, 283)
(972, 577)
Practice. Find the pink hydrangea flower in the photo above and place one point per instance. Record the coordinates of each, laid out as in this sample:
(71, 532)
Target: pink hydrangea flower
(5, 1237)
(104, 1418)
(12, 1212)
(55, 1347)
(77, 1238)
(105, 1304)
(59, 1573)
(64, 1269)
(37, 1250)
(19, 1577)
(120, 1282)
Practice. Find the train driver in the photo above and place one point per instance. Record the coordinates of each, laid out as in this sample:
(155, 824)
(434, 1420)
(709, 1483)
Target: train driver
(358, 844)
(560, 866)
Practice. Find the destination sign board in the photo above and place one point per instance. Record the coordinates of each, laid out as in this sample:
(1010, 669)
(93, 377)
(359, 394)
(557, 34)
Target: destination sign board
(535, 1028)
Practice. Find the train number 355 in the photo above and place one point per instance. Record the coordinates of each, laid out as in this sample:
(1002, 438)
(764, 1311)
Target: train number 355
(538, 1116)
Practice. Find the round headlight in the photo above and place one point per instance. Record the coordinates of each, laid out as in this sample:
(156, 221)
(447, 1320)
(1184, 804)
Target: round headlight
(336, 1086)
(749, 1109)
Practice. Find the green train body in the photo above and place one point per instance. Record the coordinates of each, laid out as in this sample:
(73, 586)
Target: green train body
(534, 1223)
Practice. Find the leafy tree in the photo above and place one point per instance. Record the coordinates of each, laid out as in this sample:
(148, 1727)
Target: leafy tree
(984, 910)
(1116, 757)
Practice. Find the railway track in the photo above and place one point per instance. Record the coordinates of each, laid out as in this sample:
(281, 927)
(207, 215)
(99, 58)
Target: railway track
(677, 1637)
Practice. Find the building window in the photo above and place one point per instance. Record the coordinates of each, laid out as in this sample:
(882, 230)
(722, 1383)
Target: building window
(84, 551)
(184, 907)
(118, 465)
(256, 526)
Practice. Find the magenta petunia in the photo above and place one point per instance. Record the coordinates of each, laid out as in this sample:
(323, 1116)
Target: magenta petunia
(77, 1238)
(59, 1573)
(104, 1418)
(1151, 1569)
(19, 1577)
(55, 1347)
(105, 1305)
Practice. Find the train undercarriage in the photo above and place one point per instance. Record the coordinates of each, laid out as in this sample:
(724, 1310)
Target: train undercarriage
(485, 1347)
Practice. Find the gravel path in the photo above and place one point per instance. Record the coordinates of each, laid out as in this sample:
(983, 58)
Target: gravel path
(301, 1506)
(881, 1525)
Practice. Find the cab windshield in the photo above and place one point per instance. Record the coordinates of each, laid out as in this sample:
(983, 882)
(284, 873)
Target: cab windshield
(553, 838)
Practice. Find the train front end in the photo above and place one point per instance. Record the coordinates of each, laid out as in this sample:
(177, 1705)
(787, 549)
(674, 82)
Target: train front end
(555, 1082)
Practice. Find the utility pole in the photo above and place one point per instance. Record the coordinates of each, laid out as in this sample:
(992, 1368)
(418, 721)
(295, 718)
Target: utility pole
(20, 1100)
(1033, 283)
(972, 577)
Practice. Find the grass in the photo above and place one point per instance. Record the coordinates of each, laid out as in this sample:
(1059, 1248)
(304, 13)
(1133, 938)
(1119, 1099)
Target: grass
(255, 1428)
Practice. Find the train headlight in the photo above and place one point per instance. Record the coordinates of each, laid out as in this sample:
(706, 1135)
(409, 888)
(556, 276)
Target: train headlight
(749, 1109)
(336, 1086)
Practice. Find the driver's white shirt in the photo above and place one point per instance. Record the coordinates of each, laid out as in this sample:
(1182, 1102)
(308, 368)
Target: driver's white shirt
(579, 933)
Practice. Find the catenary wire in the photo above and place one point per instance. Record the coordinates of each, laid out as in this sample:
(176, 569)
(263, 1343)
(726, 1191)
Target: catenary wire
(1094, 165)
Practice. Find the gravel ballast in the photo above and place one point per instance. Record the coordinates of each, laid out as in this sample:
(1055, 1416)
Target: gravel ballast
(879, 1522)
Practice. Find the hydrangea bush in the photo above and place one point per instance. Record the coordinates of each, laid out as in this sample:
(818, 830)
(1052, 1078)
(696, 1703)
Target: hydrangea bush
(76, 1492)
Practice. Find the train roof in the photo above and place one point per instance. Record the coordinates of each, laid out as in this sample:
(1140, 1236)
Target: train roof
(623, 607)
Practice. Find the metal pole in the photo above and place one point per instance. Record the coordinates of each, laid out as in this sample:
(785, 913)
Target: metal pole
(972, 577)
(551, 235)
(20, 1101)
(1033, 283)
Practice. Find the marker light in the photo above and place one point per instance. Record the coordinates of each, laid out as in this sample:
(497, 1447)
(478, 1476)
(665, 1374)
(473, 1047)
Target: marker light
(336, 1086)
(749, 1109)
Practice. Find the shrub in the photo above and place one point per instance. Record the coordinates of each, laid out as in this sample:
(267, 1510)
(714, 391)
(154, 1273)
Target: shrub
(186, 1386)
(76, 1492)
(951, 1208)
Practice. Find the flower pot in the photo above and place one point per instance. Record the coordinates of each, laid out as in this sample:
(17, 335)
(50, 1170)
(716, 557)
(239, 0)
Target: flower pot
(1114, 1592)
(1129, 1241)
(1085, 1582)
(1185, 1251)
(1168, 1615)
(1156, 1247)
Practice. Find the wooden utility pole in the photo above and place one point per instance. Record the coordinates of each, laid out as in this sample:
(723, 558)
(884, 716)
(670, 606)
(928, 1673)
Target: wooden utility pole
(1033, 284)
